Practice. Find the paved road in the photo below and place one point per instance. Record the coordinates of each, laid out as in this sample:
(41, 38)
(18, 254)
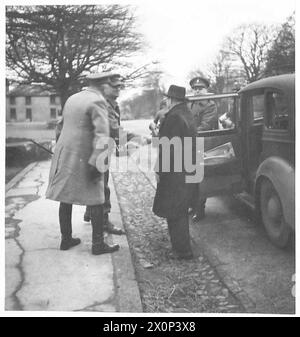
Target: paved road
(241, 251)
(259, 273)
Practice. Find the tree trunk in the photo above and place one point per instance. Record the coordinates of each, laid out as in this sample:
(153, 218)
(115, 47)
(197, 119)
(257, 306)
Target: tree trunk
(64, 95)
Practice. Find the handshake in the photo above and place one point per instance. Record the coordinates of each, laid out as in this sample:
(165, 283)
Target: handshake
(134, 144)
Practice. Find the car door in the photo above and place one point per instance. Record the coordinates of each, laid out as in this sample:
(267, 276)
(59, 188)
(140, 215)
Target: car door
(222, 158)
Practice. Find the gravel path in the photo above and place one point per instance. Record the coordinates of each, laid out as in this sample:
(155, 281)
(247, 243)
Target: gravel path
(166, 283)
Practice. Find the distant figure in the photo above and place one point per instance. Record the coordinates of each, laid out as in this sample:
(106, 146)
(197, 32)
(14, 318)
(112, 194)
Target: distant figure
(173, 194)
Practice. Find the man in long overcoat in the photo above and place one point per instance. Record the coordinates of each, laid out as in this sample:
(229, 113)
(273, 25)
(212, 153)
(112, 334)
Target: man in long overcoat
(79, 163)
(173, 195)
(120, 136)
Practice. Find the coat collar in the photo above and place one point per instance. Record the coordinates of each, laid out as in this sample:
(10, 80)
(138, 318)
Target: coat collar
(173, 107)
(112, 102)
(98, 92)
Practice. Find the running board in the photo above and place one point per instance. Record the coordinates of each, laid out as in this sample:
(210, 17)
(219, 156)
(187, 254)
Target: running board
(247, 199)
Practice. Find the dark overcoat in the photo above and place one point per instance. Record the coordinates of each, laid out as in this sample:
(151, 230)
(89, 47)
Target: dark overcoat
(173, 194)
(81, 143)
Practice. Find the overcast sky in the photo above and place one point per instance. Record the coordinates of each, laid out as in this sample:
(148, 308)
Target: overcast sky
(186, 35)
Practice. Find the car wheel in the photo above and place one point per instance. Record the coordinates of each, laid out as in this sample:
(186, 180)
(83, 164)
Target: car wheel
(272, 215)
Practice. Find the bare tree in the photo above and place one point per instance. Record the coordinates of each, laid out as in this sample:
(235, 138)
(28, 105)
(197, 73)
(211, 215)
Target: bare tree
(58, 45)
(249, 44)
(146, 103)
(220, 71)
(281, 56)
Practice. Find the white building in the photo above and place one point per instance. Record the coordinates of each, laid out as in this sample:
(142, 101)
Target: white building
(32, 103)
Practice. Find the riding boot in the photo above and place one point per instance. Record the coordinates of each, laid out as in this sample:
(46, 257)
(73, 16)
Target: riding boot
(110, 228)
(87, 214)
(98, 244)
(65, 222)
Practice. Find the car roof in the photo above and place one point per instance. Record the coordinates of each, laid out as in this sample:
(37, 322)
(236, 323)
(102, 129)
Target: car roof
(284, 82)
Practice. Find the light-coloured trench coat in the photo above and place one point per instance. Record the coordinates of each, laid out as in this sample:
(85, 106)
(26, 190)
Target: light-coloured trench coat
(81, 142)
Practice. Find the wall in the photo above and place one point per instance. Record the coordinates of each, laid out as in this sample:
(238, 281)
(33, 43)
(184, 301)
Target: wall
(40, 107)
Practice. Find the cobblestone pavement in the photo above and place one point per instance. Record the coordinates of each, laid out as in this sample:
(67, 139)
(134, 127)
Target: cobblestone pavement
(166, 283)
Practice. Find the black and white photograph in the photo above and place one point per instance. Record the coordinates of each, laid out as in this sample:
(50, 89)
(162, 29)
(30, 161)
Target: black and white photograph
(149, 159)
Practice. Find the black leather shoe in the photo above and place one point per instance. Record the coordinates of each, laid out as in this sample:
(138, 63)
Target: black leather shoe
(69, 243)
(104, 248)
(111, 229)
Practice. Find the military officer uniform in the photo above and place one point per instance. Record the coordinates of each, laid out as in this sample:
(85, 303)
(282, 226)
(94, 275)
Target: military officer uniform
(206, 118)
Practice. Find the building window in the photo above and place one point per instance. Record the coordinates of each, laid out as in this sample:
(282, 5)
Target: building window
(52, 113)
(29, 114)
(13, 113)
(12, 100)
(28, 100)
(52, 99)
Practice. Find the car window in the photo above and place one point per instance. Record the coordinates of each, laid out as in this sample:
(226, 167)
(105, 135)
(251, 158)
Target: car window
(277, 111)
(256, 108)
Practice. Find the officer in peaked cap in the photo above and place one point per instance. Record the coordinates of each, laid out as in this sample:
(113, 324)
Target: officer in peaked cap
(206, 118)
(81, 145)
(199, 82)
(112, 82)
(205, 112)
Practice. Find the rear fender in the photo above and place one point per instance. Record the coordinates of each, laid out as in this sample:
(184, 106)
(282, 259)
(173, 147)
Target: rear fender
(282, 176)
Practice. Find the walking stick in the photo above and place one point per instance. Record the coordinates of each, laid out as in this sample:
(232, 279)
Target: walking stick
(41, 146)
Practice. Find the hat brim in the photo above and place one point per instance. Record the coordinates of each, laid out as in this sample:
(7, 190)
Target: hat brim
(203, 80)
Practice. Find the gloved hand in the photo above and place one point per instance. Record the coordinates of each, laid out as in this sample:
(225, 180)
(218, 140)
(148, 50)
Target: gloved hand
(154, 129)
(93, 173)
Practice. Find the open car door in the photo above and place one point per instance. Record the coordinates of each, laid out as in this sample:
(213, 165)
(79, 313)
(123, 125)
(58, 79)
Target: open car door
(222, 158)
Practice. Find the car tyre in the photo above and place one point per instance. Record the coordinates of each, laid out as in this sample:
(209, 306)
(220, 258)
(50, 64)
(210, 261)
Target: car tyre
(272, 215)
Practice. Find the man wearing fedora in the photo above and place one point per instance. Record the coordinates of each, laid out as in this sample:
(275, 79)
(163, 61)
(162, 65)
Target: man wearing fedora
(206, 118)
(80, 161)
(173, 194)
